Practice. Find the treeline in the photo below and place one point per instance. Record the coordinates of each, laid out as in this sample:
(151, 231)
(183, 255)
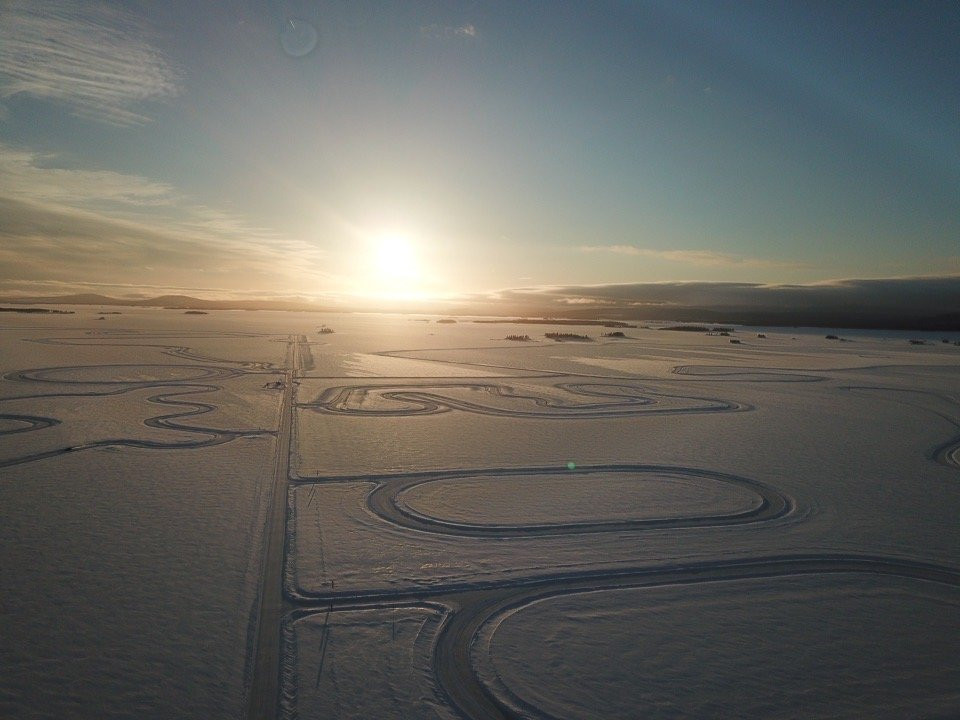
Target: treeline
(559, 337)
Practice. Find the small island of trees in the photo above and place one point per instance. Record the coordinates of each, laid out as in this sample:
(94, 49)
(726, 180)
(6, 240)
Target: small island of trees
(561, 337)
(41, 311)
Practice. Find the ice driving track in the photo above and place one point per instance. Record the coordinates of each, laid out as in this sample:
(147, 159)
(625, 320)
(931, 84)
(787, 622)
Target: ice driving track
(473, 610)
(181, 384)
(176, 390)
(452, 662)
(383, 501)
(469, 608)
(618, 400)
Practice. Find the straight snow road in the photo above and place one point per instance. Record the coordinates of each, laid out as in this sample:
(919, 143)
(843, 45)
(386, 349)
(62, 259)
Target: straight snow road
(263, 697)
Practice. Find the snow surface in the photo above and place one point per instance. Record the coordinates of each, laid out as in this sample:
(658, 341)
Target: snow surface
(363, 664)
(665, 525)
(128, 578)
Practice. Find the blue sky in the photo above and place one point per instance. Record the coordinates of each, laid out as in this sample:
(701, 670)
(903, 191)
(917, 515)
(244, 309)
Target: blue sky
(444, 148)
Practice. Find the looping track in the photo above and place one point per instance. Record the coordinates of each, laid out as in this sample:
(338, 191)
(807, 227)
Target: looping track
(621, 400)
(106, 380)
(452, 662)
(210, 436)
(29, 422)
(49, 375)
(383, 501)
(180, 351)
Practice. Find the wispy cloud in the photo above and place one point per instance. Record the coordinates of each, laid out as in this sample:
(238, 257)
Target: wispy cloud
(33, 176)
(591, 301)
(95, 59)
(77, 225)
(33, 288)
(450, 32)
(707, 258)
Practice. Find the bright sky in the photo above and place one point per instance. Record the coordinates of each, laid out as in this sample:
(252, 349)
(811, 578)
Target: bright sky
(412, 149)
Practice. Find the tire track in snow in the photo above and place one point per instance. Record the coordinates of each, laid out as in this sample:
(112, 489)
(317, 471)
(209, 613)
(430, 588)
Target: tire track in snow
(692, 373)
(29, 422)
(946, 453)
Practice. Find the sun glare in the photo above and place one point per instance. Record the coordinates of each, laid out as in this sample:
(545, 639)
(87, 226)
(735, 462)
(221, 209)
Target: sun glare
(394, 259)
(392, 268)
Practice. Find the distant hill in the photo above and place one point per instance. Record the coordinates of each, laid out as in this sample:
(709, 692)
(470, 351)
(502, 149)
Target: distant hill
(173, 302)
(931, 304)
(861, 318)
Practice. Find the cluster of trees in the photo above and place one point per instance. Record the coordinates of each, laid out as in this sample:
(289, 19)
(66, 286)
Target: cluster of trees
(558, 336)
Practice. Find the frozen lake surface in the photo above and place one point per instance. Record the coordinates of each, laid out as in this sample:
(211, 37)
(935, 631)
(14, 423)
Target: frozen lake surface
(232, 515)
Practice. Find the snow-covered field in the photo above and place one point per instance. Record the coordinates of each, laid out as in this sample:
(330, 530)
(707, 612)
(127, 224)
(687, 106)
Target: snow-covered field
(663, 525)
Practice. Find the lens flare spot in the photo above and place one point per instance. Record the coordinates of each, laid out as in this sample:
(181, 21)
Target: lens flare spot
(298, 37)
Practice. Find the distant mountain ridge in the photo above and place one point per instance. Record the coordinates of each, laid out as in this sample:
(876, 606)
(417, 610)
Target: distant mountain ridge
(921, 304)
(173, 302)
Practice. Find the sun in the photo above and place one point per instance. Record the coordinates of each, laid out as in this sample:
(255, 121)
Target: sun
(391, 267)
(394, 259)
